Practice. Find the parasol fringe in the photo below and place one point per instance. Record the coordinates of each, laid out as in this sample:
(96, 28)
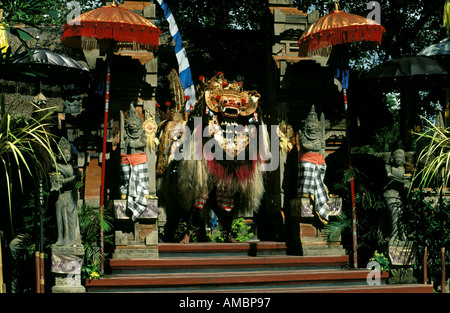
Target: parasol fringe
(122, 33)
(311, 45)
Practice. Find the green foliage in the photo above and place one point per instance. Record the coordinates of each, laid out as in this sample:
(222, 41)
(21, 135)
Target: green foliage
(39, 12)
(382, 260)
(369, 206)
(217, 235)
(239, 231)
(28, 12)
(335, 228)
(22, 140)
(90, 221)
(426, 223)
(91, 271)
(183, 229)
(434, 158)
(195, 14)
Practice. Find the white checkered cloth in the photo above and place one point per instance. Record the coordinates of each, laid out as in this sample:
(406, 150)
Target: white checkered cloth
(135, 185)
(310, 181)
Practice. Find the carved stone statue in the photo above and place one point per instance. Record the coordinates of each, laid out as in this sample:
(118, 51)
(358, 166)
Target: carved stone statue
(393, 192)
(63, 181)
(134, 167)
(312, 166)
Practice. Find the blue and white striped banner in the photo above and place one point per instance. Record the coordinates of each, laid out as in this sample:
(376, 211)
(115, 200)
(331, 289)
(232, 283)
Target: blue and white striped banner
(183, 63)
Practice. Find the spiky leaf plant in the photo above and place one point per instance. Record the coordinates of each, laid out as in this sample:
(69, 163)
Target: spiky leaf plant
(434, 158)
(23, 141)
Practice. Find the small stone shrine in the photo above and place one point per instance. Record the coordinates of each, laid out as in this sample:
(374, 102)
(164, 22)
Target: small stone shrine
(136, 213)
(313, 207)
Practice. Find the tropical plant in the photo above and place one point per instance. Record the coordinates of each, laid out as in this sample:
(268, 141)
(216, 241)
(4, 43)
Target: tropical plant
(425, 219)
(239, 231)
(28, 12)
(382, 260)
(24, 144)
(90, 221)
(434, 158)
(368, 205)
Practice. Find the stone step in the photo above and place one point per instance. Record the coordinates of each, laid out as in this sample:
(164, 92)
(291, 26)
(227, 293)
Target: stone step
(223, 264)
(381, 288)
(211, 249)
(248, 267)
(252, 281)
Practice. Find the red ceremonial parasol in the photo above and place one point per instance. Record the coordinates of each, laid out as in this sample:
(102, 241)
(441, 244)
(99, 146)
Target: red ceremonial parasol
(110, 22)
(337, 28)
(103, 28)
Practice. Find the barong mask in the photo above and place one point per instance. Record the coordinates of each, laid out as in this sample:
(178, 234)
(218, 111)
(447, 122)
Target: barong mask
(229, 99)
(231, 110)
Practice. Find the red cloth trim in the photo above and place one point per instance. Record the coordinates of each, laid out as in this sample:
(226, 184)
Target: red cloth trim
(133, 158)
(312, 157)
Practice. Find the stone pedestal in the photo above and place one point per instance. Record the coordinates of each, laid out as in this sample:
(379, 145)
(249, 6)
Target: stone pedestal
(402, 257)
(66, 268)
(400, 253)
(137, 239)
(312, 238)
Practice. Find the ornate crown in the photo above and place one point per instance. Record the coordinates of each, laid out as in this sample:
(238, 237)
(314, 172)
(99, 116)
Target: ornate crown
(228, 98)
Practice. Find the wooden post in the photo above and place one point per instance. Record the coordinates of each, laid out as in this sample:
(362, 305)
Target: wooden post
(38, 272)
(425, 267)
(2, 288)
(443, 269)
(41, 272)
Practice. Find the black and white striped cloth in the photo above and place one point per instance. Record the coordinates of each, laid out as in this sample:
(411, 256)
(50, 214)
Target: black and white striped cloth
(310, 181)
(135, 185)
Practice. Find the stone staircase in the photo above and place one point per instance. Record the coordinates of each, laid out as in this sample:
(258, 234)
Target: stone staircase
(239, 268)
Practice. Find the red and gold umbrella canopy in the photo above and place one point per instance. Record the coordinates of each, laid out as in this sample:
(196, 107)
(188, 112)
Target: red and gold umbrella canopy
(335, 28)
(110, 23)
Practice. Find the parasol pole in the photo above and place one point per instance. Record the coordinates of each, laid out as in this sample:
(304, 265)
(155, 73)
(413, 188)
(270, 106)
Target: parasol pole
(343, 76)
(352, 183)
(105, 134)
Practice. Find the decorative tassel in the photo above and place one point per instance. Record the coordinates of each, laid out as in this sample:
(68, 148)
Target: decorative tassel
(150, 128)
(113, 23)
(148, 38)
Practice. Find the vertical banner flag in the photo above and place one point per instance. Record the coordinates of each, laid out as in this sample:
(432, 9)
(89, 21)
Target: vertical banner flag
(184, 70)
